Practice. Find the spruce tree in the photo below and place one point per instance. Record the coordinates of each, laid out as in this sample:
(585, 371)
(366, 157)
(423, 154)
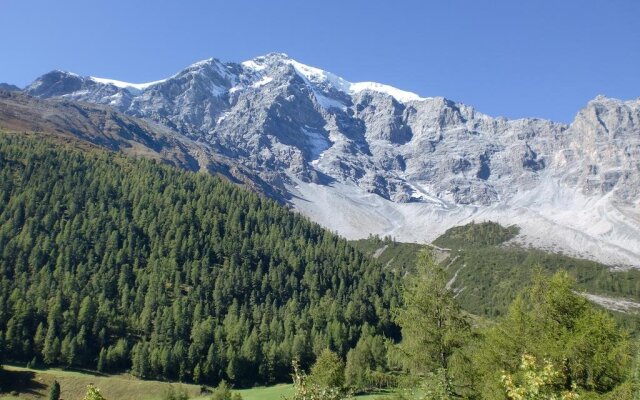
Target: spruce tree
(54, 392)
(433, 325)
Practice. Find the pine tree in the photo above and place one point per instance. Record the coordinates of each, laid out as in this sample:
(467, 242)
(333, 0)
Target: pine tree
(54, 392)
(433, 325)
(430, 318)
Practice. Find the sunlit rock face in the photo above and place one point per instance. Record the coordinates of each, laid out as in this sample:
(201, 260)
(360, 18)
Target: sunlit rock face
(296, 125)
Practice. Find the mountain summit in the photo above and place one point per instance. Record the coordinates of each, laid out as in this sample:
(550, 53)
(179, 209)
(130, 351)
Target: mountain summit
(366, 158)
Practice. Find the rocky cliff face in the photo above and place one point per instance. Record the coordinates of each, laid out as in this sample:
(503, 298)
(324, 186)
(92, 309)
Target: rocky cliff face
(601, 154)
(297, 125)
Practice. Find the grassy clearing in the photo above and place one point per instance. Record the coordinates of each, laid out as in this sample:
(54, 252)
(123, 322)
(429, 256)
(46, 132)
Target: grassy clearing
(267, 393)
(31, 384)
(35, 384)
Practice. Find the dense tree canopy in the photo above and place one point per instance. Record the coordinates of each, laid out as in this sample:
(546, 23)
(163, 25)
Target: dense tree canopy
(115, 264)
(553, 343)
(549, 321)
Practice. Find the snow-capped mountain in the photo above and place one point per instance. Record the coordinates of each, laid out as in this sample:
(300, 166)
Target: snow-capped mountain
(366, 158)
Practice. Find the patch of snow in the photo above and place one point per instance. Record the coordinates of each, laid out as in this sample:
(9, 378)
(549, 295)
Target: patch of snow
(76, 94)
(317, 142)
(125, 85)
(222, 117)
(68, 73)
(318, 76)
(400, 95)
(253, 66)
(421, 192)
(201, 63)
(262, 82)
(218, 90)
(115, 98)
(328, 103)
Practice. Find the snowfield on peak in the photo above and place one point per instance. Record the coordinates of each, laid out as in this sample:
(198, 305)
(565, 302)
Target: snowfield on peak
(400, 95)
(318, 76)
(126, 85)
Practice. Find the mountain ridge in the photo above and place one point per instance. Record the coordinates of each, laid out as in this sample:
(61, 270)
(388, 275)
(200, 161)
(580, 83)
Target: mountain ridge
(431, 160)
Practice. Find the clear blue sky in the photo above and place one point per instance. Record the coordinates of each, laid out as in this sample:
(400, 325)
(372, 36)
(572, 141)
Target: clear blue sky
(512, 58)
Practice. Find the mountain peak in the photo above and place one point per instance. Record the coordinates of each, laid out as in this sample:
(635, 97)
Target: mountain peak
(202, 63)
(298, 127)
(277, 56)
(610, 103)
(7, 87)
(55, 83)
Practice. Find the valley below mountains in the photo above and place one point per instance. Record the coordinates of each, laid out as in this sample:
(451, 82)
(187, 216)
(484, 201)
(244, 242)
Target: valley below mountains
(366, 158)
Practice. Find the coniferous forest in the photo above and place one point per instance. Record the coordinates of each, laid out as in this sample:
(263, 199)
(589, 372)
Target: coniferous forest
(118, 264)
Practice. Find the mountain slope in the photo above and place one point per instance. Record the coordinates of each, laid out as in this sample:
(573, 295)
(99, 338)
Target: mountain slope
(486, 270)
(116, 264)
(430, 163)
(104, 127)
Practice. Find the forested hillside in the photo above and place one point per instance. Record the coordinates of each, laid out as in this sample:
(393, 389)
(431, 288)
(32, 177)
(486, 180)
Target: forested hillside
(112, 263)
(489, 273)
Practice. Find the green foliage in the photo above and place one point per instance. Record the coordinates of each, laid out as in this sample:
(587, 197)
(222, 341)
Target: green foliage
(119, 264)
(175, 394)
(551, 322)
(224, 392)
(535, 382)
(304, 389)
(93, 393)
(583, 348)
(54, 392)
(328, 370)
(367, 365)
(436, 386)
(476, 235)
(488, 278)
(390, 253)
(493, 276)
(433, 325)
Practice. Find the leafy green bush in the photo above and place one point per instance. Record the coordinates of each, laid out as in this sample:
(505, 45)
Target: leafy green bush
(93, 393)
(328, 370)
(224, 392)
(173, 393)
(304, 389)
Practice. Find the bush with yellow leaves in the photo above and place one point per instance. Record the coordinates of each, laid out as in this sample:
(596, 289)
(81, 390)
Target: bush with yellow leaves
(535, 382)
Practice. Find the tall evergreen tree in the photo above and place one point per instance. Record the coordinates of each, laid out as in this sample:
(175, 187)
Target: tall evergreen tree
(54, 392)
(433, 325)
